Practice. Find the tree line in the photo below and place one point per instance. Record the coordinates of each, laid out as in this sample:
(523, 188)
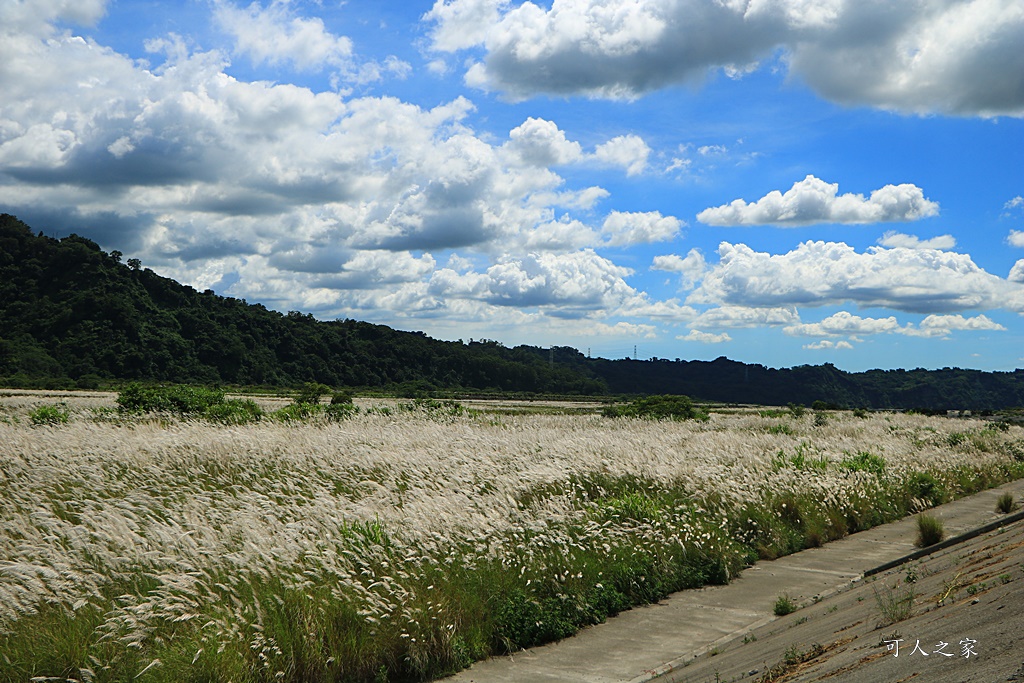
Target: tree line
(72, 315)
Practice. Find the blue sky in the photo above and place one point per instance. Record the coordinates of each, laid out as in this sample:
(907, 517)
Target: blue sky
(777, 181)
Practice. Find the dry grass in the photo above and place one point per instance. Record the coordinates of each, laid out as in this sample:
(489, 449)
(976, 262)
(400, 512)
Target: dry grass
(406, 544)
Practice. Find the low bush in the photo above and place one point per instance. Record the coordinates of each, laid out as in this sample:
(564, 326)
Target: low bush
(311, 393)
(1006, 504)
(188, 401)
(784, 605)
(234, 411)
(50, 415)
(666, 407)
(929, 530)
(185, 400)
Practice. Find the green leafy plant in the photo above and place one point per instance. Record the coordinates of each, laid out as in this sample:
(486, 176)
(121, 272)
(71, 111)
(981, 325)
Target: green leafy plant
(929, 530)
(50, 415)
(784, 605)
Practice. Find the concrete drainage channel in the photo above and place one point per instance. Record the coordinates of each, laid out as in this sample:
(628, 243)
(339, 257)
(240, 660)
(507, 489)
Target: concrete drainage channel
(949, 542)
(667, 669)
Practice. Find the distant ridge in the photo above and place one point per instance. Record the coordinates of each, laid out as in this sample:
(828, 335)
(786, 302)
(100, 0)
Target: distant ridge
(72, 315)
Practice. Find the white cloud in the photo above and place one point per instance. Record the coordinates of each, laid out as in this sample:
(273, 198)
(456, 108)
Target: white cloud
(958, 57)
(825, 344)
(691, 268)
(897, 239)
(540, 143)
(1015, 203)
(813, 201)
(826, 273)
(1017, 272)
(303, 199)
(626, 151)
(1015, 238)
(705, 337)
(579, 279)
(628, 228)
(740, 317)
(843, 324)
(274, 35)
(943, 325)
(36, 17)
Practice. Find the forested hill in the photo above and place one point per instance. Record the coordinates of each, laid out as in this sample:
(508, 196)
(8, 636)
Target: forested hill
(73, 315)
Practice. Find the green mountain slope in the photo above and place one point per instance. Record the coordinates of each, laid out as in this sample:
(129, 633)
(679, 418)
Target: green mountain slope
(73, 315)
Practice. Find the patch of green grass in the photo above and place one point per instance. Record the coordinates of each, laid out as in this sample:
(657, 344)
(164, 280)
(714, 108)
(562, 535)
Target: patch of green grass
(895, 602)
(1006, 503)
(864, 462)
(929, 530)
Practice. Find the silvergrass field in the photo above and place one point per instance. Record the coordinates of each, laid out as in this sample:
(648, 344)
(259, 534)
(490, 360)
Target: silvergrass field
(401, 543)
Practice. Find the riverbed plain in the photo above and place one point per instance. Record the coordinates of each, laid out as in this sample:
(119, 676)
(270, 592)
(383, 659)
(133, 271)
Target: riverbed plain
(405, 540)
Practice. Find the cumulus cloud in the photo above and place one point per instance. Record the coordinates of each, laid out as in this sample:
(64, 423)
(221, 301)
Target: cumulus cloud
(579, 279)
(944, 325)
(643, 227)
(1015, 238)
(1017, 272)
(897, 239)
(843, 324)
(625, 151)
(705, 337)
(827, 273)
(958, 57)
(303, 199)
(38, 16)
(740, 317)
(812, 201)
(826, 344)
(540, 143)
(274, 35)
(690, 268)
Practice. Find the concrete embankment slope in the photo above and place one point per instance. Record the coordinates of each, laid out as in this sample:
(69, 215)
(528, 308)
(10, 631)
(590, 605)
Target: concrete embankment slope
(730, 633)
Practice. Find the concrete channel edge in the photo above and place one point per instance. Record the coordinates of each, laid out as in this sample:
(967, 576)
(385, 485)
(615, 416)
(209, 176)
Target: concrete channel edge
(680, 662)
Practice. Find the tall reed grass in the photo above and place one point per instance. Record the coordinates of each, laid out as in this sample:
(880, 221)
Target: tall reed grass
(405, 544)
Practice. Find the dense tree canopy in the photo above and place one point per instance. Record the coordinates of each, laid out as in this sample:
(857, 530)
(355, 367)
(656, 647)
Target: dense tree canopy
(73, 315)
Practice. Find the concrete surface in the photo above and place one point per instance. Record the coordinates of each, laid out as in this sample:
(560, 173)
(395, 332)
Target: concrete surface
(679, 638)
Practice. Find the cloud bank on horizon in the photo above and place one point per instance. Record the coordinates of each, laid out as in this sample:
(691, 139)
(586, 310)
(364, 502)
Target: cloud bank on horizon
(591, 173)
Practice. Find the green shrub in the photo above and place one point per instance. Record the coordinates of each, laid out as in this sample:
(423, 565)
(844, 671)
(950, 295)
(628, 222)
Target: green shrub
(185, 400)
(860, 412)
(311, 393)
(929, 530)
(50, 415)
(784, 605)
(796, 410)
(341, 398)
(666, 407)
(234, 411)
(304, 412)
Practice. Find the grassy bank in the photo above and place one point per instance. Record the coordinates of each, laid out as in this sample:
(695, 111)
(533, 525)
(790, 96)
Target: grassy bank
(404, 544)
